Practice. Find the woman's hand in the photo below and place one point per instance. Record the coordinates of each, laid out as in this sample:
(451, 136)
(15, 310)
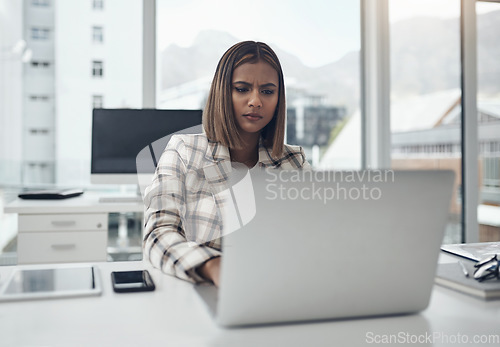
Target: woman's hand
(211, 270)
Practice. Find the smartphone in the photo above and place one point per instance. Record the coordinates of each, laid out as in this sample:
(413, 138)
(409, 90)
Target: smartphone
(132, 281)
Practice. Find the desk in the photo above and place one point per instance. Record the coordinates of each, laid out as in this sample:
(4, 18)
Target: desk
(174, 315)
(68, 230)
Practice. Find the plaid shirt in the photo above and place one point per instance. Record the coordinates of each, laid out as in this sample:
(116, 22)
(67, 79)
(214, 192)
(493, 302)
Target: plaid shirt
(182, 219)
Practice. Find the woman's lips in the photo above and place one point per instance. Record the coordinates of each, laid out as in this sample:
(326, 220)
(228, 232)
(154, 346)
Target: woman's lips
(252, 116)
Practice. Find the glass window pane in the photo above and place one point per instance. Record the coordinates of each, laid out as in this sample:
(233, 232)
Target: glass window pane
(47, 88)
(50, 69)
(488, 104)
(425, 92)
(318, 45)
(111, 69)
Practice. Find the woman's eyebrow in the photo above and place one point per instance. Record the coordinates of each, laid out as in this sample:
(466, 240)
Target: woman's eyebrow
(270, 84)
(242, 82)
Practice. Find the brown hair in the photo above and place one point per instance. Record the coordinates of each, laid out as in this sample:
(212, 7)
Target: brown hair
(218, 118)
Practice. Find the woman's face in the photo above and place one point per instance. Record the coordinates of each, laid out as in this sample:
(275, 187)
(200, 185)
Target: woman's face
(255, 89)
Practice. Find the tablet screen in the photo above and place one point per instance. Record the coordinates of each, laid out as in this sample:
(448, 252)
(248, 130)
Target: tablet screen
(51, 282)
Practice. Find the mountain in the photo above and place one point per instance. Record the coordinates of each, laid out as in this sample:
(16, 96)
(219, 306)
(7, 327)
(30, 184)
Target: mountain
(488, 53)
(180, 65)
(425, 55)
(425, 58)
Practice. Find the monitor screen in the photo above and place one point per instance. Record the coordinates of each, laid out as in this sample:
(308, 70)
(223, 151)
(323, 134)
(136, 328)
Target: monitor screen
(118, 135)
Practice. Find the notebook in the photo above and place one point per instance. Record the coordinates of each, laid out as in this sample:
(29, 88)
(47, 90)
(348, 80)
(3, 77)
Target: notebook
(50, 194)
(317, 248)
(451, 275)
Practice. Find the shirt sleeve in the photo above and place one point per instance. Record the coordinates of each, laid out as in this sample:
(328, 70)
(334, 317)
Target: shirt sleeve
(165, 244)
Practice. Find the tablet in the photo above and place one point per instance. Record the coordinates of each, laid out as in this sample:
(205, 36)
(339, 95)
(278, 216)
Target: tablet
(28, 283)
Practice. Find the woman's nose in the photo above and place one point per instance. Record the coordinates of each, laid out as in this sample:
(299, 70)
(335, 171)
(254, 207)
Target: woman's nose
(255, 99)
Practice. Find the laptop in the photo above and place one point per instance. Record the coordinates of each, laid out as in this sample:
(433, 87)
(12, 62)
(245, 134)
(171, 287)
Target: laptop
(332, 245)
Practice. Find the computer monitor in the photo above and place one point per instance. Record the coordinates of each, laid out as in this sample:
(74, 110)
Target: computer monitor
(118, 135)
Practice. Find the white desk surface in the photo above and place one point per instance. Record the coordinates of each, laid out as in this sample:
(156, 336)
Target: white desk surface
(174, 315)
(88, 202)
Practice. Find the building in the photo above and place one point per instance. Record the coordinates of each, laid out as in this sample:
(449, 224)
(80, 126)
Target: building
(442, 140)
(39, 97)
(310, 126)
(83, 56)
(13, 52)
(425, 134)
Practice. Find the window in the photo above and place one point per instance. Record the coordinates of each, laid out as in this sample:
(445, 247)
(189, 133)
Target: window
(97, 69)
(318, 44)
(39, 131)
(39, 98)
(97, 34)
(425, 92)
(49, 63)
(97, 101)
(98, 4)
(40, 3)
(39, 33)
(40, 64)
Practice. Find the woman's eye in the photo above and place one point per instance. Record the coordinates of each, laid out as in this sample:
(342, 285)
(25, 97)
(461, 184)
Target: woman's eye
(241, 90)
(267, 91)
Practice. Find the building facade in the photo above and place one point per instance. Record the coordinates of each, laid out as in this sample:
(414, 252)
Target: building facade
(85, 54)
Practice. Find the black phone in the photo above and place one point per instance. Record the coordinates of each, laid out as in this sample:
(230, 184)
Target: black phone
(132, 281)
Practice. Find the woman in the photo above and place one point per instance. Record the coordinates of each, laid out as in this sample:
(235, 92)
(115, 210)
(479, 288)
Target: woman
(243, 122)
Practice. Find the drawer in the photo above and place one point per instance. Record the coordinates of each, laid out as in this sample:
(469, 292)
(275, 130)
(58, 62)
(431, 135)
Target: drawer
(63, 222)
(61, 247)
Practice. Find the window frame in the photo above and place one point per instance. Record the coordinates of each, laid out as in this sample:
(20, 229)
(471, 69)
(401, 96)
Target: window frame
(376, 111)
(469, 127)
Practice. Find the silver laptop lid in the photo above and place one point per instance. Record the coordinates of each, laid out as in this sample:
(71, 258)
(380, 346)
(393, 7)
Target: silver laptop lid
(333, 245)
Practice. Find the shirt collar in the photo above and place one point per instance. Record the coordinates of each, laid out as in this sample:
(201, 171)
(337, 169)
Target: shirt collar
(265, 158)
(217, 153)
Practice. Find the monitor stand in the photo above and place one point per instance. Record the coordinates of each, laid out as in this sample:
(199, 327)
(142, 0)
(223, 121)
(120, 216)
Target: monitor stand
(126, 196)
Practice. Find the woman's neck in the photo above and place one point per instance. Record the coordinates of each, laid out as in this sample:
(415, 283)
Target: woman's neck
(248, 154)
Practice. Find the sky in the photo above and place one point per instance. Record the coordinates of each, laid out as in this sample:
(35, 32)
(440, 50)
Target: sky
(318, 32)
(317, 37)
(404, 9)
